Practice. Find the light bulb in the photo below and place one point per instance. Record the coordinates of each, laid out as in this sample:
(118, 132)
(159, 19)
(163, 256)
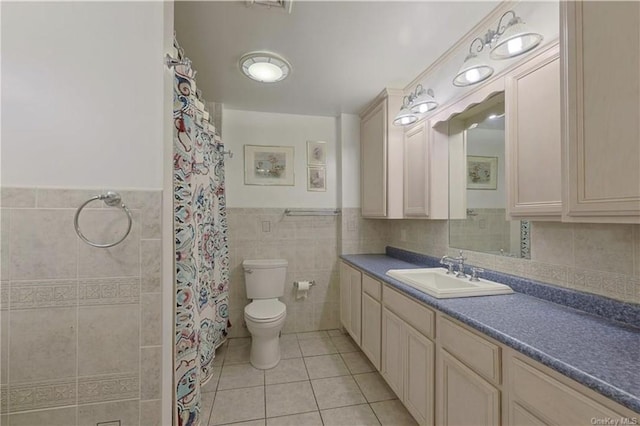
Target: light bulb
(514, 45)
(264, 71)
(405, 120)
(472, 75)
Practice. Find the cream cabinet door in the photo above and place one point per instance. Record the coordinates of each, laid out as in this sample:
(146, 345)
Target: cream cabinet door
(350, 300)
(373, 157)
(381, 155)
(464, 397)
(371, 328)
(392, 352)
(416, 172)
(419, 376)
(533, 138)
(356, 305)
(601, 111)
(345, 295)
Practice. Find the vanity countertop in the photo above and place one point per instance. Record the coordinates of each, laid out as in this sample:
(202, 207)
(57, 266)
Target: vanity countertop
(600, 354)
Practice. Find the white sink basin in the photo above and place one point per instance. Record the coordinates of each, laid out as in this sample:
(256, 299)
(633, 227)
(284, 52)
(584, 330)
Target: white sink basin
(437, 283)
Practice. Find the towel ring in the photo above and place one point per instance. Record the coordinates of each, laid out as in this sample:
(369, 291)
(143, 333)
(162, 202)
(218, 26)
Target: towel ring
(111, 199)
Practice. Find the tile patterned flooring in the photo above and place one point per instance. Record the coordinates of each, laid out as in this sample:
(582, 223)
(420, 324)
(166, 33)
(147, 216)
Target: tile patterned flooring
(322, 379)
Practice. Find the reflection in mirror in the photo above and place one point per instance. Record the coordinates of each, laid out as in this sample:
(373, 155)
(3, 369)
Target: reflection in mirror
(477, 185)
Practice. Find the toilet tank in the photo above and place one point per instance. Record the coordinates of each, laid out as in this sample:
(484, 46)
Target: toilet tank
(265, 278)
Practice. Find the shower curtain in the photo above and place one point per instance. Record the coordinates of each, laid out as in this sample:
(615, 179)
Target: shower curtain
(202, 253)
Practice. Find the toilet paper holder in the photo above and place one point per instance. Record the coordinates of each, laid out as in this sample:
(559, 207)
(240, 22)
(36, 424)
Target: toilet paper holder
(311, 283)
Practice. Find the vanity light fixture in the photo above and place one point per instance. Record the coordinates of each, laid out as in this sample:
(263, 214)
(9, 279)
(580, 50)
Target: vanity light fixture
(506, 41)
(265, 67)
(424, 101)
(475, 68)
(405, 116)
(514, 39)
(419, 102)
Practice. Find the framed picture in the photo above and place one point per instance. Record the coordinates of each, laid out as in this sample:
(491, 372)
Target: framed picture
(316, 179)
(316, 153)
(268, 165)
(482, 172)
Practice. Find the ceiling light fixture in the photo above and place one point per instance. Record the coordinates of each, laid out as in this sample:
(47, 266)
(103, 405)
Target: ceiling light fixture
(418, 102)
(265, 67)
(506, 41)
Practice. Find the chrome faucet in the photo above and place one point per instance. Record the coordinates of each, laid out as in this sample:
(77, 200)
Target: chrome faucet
(450, 261)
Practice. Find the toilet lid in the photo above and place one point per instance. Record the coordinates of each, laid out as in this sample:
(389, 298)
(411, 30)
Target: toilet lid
(262, 310)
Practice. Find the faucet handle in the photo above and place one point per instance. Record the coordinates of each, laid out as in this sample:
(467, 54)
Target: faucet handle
(461, 256)
(474, 273)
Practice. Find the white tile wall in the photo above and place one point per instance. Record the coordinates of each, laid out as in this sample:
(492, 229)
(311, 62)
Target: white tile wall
(79, 324)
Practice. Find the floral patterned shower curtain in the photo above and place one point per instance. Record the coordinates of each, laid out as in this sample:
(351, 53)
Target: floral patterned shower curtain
(202, 253)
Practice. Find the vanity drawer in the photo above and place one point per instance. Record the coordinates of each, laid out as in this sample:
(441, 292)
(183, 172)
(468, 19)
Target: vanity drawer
(550, 400)
(475, 351)
(372, 287)
(419, 317)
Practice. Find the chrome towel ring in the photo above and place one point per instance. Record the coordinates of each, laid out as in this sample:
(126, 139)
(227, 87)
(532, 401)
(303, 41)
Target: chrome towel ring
(111, 199)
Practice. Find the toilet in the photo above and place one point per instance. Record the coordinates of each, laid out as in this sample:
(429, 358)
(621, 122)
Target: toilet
(265, 315)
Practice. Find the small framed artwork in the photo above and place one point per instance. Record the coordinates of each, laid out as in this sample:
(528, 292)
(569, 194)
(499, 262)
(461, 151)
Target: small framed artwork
(482, 172)
(316, 153)
(316, 179)
(268, 165)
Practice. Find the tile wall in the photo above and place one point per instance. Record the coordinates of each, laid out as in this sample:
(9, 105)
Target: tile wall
(81, 330)
(309, 243)
(597, 258)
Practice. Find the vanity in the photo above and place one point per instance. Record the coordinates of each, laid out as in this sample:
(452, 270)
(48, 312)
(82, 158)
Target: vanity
(531, 143)
(506, 359)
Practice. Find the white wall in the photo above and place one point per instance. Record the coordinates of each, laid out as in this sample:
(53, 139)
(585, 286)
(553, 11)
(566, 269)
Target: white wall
(487, 143)
(257, 128)
(349, 133)
(82, 94)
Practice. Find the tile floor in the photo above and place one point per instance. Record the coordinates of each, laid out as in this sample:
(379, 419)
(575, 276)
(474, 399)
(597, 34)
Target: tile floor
(322, 379)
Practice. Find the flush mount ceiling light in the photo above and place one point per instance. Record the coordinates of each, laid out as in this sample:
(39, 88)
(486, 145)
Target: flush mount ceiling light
(418, 102)
(265, 67)
(506, 41)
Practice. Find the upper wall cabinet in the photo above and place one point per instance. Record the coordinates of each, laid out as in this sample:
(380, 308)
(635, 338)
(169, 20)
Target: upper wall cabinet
(381, 151)
(601, 111)
(532, 135)
(425, 173)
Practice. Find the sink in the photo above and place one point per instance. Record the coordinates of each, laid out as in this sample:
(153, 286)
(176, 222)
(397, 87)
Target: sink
(437, 283)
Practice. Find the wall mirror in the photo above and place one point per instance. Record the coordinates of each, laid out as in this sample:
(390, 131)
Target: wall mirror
(477, 184)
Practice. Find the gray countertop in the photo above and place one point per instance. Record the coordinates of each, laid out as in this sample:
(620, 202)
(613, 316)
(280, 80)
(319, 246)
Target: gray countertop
(600, 354)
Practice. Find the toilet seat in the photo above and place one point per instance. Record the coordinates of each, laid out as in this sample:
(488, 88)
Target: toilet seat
(267, 310)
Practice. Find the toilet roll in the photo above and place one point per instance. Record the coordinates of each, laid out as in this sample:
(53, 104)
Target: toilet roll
(302, 289)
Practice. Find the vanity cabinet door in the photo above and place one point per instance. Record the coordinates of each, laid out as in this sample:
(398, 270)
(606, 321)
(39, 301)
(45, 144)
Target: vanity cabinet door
(371, 328)
(533, 138)
(464, 397)
(392, 352)
(350, 300)
(381, 157)
(416, 171)
(356, 306)
(601, 111)
(419, 376)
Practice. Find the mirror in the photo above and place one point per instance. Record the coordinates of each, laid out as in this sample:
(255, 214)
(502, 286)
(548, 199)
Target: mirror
(477, 184)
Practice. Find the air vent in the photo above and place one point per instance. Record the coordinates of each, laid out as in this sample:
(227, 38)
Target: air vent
(275, 4)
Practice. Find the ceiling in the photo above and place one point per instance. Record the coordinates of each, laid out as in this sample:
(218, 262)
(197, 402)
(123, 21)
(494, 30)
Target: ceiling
(343, 53)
